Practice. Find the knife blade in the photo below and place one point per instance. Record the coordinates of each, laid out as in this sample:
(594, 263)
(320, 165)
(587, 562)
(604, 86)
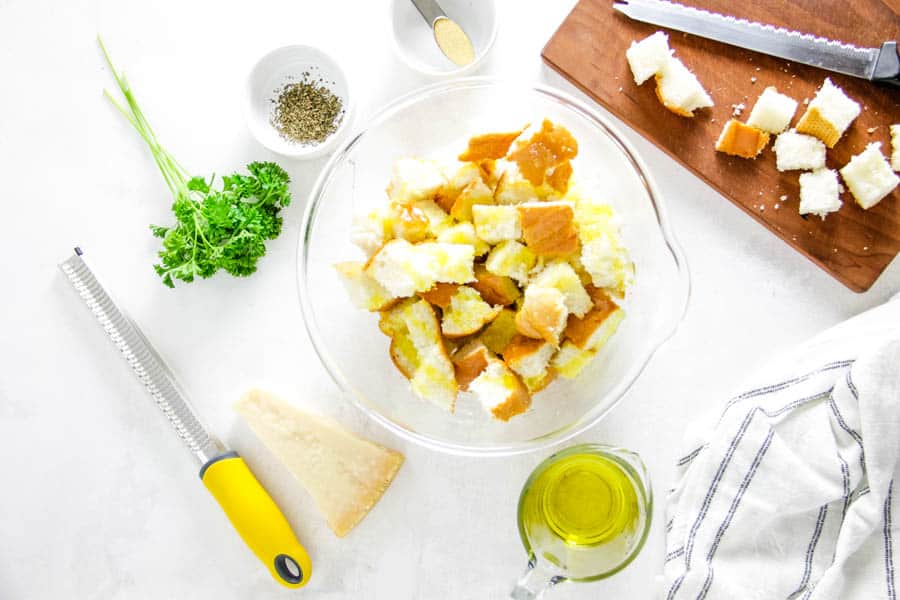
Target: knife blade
(246, 503)
(875, 64)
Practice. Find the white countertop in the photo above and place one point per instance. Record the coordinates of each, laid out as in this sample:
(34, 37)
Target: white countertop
(99, 500)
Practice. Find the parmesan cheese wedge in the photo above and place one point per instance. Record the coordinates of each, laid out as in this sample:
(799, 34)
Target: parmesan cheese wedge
(345, 474)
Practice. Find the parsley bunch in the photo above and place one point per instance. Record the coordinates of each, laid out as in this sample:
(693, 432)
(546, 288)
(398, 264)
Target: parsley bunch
(215, 228)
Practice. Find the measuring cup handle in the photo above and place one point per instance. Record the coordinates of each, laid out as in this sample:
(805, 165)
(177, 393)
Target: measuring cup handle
(536, 580)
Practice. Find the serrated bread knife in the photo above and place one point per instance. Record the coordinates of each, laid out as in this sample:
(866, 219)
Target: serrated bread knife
(248, 506)
(880, 65)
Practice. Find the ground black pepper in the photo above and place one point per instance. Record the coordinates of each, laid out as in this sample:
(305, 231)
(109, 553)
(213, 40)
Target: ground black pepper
(307, 112)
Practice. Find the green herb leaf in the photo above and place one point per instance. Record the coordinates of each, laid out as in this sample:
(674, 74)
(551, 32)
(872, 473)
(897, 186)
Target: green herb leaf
(215, 229)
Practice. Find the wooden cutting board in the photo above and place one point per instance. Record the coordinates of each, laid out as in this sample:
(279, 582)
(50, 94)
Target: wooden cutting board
(853, 245)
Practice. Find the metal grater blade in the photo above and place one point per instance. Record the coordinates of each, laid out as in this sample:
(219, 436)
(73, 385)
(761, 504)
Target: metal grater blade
(143, 360)
(776, 41)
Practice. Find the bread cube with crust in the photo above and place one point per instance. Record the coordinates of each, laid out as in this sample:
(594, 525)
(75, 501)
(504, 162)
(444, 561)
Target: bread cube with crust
(500, 332)
(402, 350)
(470, 361)
(464, 233)
(495, 224)
(829, 114)
(741, 140)
(458, 176)
(773, 111)
(440, 294)
(511, 259)
(543, 314)
(495, 289)
(434, 378)
(869, 176)
(365, 292)
(571, 360)
(798, 151)
(467, 313)
(489, 146)
(647, 57)
(536, 384)
(593, 330)
(679, 90)
(895, 147)
(513, 188)
(549, 228)
(415, 179)
(561, 276)
(500, 391)
(528, 357)
(476, 193)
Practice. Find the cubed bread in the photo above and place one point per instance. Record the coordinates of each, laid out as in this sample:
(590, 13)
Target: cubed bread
(819, 192)
(495, 289)
(608, 263)
(561, 276)
(773, 111)
(403, 353)
(415, 179)
(365, 292)
(500, 391)
(895, 147)
(869, 176)
(829, 114)
(464, 233)
(500, 332)
(593, 330)
(647, 57)
(489, 146)
(418, 221)
(476, 192)
(369, 231)
(511, 259)
(548, 228)
(470, 361)
(571, 360)
(494, 224)
(440, 294)
(449, 263)
(400, 269)
(603, 255)
(798, 151)
(467, 313)
(679, 90)
(536, 384)
(513, 188)
(434, 378)
(543, 314)
(528, 357)
(404, 269)
(391, 320)
(741, 140)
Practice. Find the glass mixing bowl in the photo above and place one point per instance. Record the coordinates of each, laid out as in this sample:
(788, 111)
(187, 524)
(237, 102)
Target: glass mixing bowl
(436, 122)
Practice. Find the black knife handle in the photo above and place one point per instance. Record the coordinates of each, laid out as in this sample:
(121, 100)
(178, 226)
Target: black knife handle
(887, 67)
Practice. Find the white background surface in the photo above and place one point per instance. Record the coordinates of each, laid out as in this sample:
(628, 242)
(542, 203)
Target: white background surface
(99, 500)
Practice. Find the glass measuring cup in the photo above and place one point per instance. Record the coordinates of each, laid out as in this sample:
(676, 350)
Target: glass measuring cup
(584, 514)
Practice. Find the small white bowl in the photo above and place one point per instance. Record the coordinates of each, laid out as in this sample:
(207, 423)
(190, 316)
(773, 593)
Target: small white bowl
(414, 40)
(267, 78)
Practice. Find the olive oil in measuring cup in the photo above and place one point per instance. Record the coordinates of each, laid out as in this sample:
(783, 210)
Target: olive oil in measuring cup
(584, 514)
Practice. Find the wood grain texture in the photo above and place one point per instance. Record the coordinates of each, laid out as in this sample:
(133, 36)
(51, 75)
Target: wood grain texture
(852, 245)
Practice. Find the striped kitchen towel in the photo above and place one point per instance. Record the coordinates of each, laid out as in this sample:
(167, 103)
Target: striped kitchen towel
(787, 491)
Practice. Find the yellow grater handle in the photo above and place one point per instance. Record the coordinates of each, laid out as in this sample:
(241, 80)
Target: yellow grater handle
(257, 519)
